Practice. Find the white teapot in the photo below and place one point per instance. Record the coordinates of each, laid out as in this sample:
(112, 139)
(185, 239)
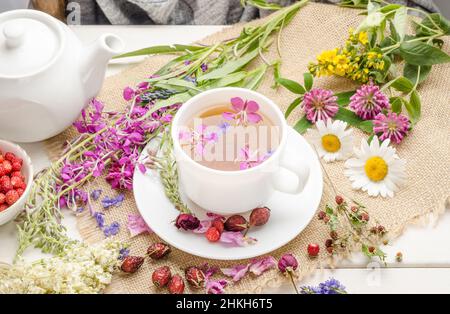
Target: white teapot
(46, 75)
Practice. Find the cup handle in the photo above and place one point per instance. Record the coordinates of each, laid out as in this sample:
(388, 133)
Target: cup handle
(295, 166)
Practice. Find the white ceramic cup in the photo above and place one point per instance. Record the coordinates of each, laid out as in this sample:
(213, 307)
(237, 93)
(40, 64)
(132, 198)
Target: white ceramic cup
(232, 192)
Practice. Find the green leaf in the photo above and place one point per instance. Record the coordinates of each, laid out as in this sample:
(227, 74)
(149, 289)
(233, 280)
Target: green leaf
(292, 86)
(292, 106)
(419, 53)
(402, 84)
(160, 50)
(344, 98)
(414, 107)
(276, 73)
(400, 20)
(390, 7)
(229, 67)
(396, 104)
(410, 71)
(308, 80)
(175, 99)
(255, 77)
(352, 119)
(434, 21)
(176, 83)
(302, 125)
(228, 80)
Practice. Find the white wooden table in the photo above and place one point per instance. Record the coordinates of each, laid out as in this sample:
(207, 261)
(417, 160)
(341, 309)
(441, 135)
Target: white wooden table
(426, 249)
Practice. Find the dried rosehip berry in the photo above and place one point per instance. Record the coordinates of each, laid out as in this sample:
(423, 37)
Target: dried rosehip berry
(212, 234)
(218, 224)
(195, 277)
(158, 250)
(176, 285)
(161, 276)
(236, 223)
(131, 264)
(259, 216)
(339, 199)
(313, 249)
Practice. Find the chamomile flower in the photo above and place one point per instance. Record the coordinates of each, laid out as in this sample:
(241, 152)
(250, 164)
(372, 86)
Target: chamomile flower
(377, 169)
(332, 141)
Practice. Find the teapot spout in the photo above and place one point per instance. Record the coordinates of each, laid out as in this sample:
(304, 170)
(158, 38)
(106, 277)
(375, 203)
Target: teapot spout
(95, 60)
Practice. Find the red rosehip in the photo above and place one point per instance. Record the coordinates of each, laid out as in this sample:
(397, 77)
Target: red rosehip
(3, 207)
(161, 276)
(339, 199)
(218, 224)
(158, 250)
(2, 198)
(212, 234)
(313, 249)
(176, 285)
(259, 216)
(10, 156)
(131, 264)
(236, 223)
(11, 197)
(195, 277)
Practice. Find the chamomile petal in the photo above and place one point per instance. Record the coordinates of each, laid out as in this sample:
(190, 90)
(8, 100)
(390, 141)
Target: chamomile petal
(376, 169)
(332, 141)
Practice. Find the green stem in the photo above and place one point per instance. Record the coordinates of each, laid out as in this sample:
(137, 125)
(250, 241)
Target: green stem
(293, 282)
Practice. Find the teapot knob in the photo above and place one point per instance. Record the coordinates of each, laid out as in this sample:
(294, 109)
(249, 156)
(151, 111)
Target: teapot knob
(14, 34)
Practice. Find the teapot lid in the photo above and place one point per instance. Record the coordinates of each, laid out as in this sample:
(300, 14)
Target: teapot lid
(29, 42)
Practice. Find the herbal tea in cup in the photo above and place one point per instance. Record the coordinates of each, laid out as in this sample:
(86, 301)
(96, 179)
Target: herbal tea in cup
(230, 145)
(230, 136)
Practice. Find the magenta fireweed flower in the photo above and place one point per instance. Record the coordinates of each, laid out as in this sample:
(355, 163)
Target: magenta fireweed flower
(392, 126)
(319, 104)
(245, 111)
(368, 101)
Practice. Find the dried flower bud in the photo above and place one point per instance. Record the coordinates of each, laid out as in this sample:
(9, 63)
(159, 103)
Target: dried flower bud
(187, 222)
(326, 219)
(236, 223)
(161, 276)
(287, 263)
(385, 242)
(374, 230)
(176, 285)
(330, 249)
(339, 199)
(195, 277)
(371, 249)
(354, 209)
(381, 229)
(131, 264)
(158, 250)
(399, 257)
(365, 217)
(259, 216)
(328, 243)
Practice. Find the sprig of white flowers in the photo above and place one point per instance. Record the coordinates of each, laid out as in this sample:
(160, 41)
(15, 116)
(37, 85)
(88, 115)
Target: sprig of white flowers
(81, 268)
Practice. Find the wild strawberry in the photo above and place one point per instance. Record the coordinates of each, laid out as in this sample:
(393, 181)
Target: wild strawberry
(2, 198)
(10, 156)
(218, 224)
(161, 276)
(16, 182)
(176, 285)
(11, 197)
(212, 234)
(7, 167)
(158, 250)
(5, 184)
(313, 249)
(236, 223)
(195, 277)
(20, 191)
(259, 216)
(131, 264)
(3, 207)
(17, 174)
(16, 166)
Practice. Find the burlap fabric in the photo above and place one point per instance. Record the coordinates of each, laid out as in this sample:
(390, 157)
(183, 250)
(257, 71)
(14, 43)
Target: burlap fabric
(315, 28)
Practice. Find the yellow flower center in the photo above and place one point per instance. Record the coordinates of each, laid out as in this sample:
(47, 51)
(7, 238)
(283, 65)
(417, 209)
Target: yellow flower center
(376, 168)
(331, 143)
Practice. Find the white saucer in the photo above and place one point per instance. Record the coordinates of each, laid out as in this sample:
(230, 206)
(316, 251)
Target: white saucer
(290, 214)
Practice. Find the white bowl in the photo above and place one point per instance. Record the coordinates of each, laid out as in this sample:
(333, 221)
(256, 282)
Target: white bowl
(27, 171)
